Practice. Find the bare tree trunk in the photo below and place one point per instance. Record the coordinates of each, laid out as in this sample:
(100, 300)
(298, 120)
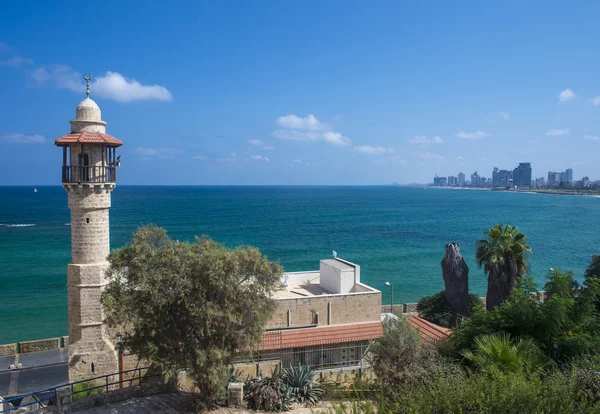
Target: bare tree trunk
(456, 279)
(501, 281)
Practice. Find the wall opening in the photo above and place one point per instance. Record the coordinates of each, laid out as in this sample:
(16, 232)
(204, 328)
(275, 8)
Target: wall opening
(87, 220)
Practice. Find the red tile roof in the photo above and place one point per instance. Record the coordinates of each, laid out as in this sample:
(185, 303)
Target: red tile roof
(88, 138)
(321, 335)
(429, 332)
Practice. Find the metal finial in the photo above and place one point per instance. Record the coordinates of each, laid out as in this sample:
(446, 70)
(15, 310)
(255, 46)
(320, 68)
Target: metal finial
(88, 78)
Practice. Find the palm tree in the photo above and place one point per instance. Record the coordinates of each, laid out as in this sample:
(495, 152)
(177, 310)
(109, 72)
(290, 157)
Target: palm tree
(498, 353)
(503, 257)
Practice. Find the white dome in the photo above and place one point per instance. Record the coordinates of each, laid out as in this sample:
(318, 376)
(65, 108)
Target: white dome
(88, 118)
(88, 110)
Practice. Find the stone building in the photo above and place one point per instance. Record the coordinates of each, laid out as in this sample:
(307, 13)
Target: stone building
(324, 319)
(89, 177)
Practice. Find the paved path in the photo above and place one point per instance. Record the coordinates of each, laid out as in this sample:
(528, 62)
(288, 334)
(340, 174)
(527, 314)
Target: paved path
(172, 403)
(177, 403)
(40, 370)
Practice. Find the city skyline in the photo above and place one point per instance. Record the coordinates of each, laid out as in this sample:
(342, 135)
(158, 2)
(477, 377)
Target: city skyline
(311, 93)
(521, 176)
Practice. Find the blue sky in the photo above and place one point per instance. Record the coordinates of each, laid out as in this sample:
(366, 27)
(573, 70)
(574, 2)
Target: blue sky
(311, 92)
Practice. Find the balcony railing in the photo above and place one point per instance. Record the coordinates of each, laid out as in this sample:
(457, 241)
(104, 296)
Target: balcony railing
(90, 174)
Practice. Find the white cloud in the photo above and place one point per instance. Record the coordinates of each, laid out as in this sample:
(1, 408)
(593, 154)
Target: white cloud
(162, 152)
(369, 150)
(307, 129)
(294, 135)
(331, 137)
(504, 115)
(18, 138)
(257, 157)
(115, 86)
(259, 143)
(308, 123)
(200, 157)
(566, 95)
(534, 141)
(16, 62)
(146, 152)
(592, 137)
(423, 140)
(59, 76)
(300, 162)
(471, 135)
(596, 101)
(336, 138)
(460, 158)
(432, 156)
(232, 158)
(558, 132)
(112, 85)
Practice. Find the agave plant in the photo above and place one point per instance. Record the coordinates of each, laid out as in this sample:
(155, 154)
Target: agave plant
(233, 375)
(498, 352)
(301, 380)
(269, 393)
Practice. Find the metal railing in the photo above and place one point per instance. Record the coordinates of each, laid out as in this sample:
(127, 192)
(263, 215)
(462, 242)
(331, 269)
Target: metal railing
(89, 174)
(48, 397)
(320, 358)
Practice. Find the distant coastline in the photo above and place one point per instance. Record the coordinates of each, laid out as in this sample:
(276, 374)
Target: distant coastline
(561, 191)
(595, 193)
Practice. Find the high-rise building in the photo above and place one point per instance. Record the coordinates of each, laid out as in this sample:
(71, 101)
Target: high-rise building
(89, 177)
(439, 180)
(452, 180)
(522, 175)
(501, 178)
(475, 180)
(461, 179)
(555, 177)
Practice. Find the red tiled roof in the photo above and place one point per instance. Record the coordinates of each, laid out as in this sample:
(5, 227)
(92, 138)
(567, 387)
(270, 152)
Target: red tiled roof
(326, 335)
(88, 138)
(429, 332)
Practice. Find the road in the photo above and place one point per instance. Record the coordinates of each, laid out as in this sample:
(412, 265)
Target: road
(40, 370)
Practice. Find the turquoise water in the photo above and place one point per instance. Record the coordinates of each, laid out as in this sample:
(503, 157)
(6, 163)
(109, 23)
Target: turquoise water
(396, 234)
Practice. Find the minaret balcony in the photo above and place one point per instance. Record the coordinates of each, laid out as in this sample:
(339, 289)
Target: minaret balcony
(89, 174)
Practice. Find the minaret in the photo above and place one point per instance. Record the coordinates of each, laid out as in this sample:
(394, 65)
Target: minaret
(89, 176)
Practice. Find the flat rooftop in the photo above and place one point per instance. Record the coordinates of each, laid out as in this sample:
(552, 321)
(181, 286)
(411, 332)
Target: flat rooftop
(308, 284)
(338, 264)
(300, 285)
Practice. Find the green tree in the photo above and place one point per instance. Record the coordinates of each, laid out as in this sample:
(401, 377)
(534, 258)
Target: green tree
(499, 353)
(189, 306)
(503, 256)
(593, 270)
(564, 325)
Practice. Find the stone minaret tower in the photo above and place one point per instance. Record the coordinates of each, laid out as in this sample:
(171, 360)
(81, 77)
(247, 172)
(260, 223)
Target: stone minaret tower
(89, 176)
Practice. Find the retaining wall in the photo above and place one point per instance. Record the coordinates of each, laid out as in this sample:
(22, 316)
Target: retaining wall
(34, 346)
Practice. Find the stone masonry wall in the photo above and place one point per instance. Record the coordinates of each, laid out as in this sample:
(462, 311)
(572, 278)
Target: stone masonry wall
(352, 308)
(91, 353)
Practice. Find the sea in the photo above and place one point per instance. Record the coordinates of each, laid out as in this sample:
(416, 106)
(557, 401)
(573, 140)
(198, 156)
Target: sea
(394, 233)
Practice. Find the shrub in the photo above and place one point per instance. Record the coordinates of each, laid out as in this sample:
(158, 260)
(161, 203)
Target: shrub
(300, 379)
(498, 353)
(284, 388)
(564, 326)
(436, 309)
(85, 389)
(269, 393)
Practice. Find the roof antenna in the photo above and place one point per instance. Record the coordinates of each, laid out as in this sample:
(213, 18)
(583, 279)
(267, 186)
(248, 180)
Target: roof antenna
(88, 78)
